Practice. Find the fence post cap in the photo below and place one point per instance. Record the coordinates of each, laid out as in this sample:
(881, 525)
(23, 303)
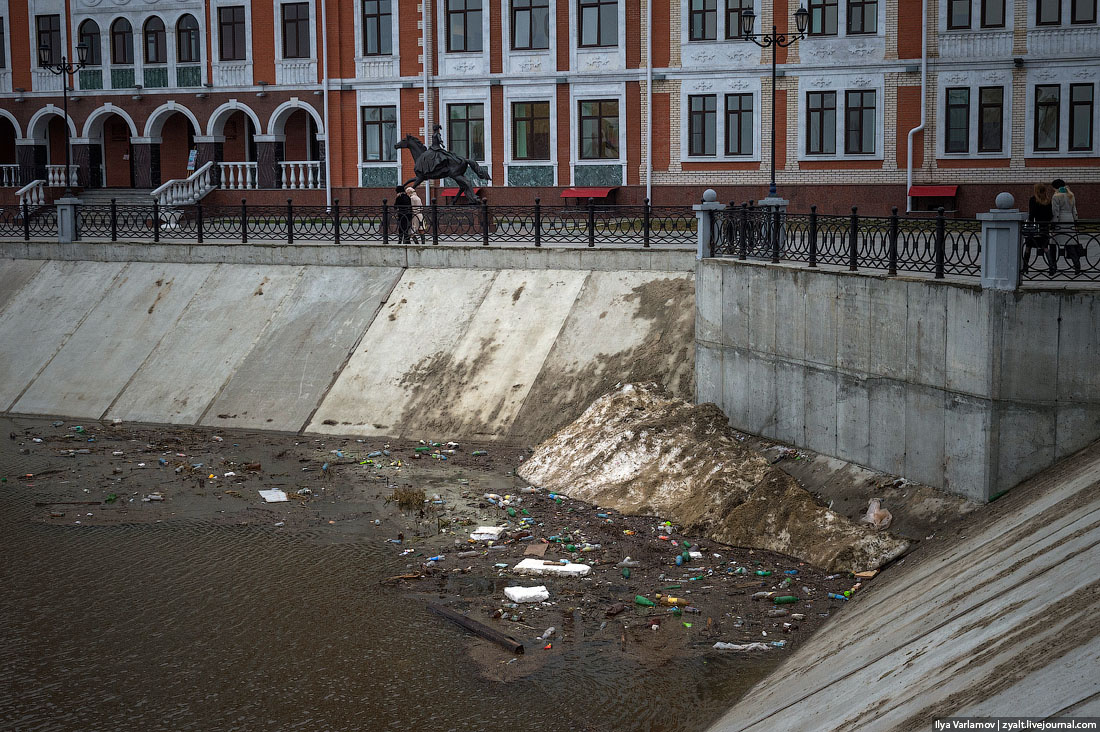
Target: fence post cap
(710, 195)
(1005, 201)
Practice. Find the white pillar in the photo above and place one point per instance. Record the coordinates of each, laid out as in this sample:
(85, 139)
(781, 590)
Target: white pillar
(1001, 244)
(703, 212)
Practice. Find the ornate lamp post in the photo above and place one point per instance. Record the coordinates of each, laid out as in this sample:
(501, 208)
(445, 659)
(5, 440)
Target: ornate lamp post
(64, 68)
(775, 40)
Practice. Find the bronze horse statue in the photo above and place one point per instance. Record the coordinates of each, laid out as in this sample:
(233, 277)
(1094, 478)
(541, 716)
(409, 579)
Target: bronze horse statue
(433, 164)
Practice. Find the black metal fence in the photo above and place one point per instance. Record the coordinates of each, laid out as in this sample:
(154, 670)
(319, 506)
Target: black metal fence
(938, 246)
(1061, 252)
(25, 221)
(604, 225)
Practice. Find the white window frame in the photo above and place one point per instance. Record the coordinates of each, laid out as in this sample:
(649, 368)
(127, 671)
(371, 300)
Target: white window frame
(1063, 77)
(974, 82)
(841, 84)
(699, 87)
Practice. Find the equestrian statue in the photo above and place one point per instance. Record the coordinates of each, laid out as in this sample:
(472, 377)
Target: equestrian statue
(436, 163)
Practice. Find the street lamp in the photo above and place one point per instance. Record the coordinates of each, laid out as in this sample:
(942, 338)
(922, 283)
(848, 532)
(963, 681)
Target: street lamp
(64, 67)
(775, 40)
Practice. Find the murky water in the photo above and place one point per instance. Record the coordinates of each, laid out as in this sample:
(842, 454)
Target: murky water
(190, 626)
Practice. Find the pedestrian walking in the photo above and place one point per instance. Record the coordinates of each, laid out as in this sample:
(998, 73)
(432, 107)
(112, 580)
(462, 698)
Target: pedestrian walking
(402, 206)
(1039, 215)
(418, 215)
(1064, 209)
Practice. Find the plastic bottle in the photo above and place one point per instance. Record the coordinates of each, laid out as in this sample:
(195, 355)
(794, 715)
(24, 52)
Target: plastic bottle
(785, 600)
(670, 600)
(763, 573)
(835, 596)
(687, 556)
(790, 571)
(626, 573)
(628, 562)
(644, 601)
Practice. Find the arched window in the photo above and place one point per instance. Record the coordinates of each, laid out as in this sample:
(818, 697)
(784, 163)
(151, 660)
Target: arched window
(122, 43)
(156, 47)
(187, 40)
(89, 36)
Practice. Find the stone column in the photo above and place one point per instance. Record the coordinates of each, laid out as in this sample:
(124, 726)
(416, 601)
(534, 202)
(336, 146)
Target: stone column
(269, 149)
(1001, 229)
(210, 150)
(704, 212)
(82, 159)
(141, 162)
(66, 220)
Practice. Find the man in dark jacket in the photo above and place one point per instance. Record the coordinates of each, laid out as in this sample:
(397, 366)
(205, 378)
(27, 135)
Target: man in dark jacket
(402, 206)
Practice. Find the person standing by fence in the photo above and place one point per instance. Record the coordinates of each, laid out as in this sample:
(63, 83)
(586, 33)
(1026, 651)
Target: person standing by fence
(1039, 216)
(418, 215)
(1064, 208)
(402, 206)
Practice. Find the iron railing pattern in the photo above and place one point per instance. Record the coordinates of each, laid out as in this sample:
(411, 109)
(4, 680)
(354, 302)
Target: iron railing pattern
(1061, 252)
(24, 221)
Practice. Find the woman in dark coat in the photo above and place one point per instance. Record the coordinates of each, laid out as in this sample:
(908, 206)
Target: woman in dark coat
(1039, 215)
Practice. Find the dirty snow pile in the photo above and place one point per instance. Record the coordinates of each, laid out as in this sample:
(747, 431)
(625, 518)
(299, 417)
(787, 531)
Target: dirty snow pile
(641, 451)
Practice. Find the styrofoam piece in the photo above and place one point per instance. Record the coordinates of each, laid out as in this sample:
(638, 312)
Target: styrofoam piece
(527, 594)
(487, 533)
(274, 496)
(540, 566)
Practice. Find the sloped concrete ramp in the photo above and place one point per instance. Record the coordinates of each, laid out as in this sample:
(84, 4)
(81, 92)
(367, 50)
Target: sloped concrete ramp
(468, 353)
(996, 618)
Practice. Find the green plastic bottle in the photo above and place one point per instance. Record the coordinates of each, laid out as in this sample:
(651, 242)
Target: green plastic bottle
(785, 600)
(511, 512)
(763, 573)
(626, 573)
(644, 601)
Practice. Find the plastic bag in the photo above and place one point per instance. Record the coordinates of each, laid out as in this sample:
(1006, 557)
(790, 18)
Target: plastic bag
(877, 516)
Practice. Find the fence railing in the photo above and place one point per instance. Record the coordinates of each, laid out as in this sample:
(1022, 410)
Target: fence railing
(938, 246)
(26, 221)
(532, 225)
(1060, 252)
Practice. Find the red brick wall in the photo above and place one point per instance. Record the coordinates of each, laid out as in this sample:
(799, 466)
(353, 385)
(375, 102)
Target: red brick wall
(496, 38)
(408, 17)
(296, 146)
(410, 123)
(633, 34)
(116, 151)
(908, 118)
(55, 136)
(909, 28)
(344, 147)
(263, 43)
(661, 143)
(661, 37)
(236, 138)
(782, 21)
(496, 105)
(174, 148)
(633, 123)
(565, 140)
(780, 129)
(564, 36)
(20, 51)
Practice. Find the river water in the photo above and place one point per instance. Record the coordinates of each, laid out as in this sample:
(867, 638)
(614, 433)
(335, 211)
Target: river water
(189, 625)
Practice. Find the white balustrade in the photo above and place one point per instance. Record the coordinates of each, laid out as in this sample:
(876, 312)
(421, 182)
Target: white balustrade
(301, 174)
(9, 176)
(374, 67)
(186, 191)
(5, 80)
(1063, 40)
(296, 72)
(975, 44)
(238, 73)
(42, 80)
(33, 194)
(55, 175)
(238, 176)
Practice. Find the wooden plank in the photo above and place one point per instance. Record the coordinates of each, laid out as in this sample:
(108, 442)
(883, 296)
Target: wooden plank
(478, 628)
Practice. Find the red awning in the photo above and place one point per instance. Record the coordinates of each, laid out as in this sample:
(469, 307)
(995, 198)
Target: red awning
(588, 192)
(452, 192)
(933, 191)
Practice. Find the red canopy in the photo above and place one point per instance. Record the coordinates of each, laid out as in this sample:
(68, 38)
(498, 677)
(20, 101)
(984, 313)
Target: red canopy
(933, 191)
(596, 192)
(452, 192)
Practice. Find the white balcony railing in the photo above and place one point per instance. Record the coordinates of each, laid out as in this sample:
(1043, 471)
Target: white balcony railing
(9, 176)
(976, 44)
(236, 73)
(33, 194)
(374, 67)
(1064, 40)
(301, 174)
(5, 80)
(237, 176)
(296, 71)
(42, 80)
(55, 175)
(188, 190)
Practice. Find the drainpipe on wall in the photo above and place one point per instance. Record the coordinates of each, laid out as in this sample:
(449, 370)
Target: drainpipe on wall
(324, 88)
(923, 97)
(426, 49)
(649, 102)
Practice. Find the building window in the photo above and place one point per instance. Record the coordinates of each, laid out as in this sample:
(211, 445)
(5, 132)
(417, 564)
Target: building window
(702, 124)
(734, 8)
(530, 24)
(704, 20)
(599, 22)
(1048, 12)
(739, 124)
(958, 14)
(4, 49)
(862, 17)
(821, 123)
(379, 134)
(859, 124)
(823, 17)
(993, 13)
(1080, 116)
(156, 47)
(531, 131)
(991, 118)
(49, 35)
(187, 40)
(231, 35)
(600, 130)
(463, 25)
(89, 36)
(1083, 11)
(958, 121)
(295, 18)
(1047, 101)
(377, 28)
(122, 43)
(466, 130)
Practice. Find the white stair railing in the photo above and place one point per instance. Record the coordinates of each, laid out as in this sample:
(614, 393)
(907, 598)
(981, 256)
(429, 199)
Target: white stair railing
(55, 175)
(186, 191)
(238, 176)
(9, 176)
(33, 194)
(301, 174)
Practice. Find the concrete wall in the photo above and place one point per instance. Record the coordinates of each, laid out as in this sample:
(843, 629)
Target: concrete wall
(961, 388)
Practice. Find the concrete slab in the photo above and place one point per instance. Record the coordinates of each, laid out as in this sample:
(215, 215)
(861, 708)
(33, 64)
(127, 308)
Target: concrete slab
(708, 312)
(821, 410)
(50, 308)
(735, 306)
(708, 374)
(821, 317)
(887, 426)
(966, 443)
(1029, 345)
(790, 308)
(405, 362)
(213, 335)
(887, 304)
(853, 330)
(1079, 343)
(926, 334)
(1024, 442)
(924, 434)
(968, 343)
(139, 308)
(282, 380)
(853, 419)
(14, 276)
(762, 316)
(790, 402)
(759, 385)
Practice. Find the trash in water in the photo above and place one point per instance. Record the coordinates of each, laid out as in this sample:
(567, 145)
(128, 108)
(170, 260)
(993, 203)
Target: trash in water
(153, 497)
(720, 646)
(487, 533)
(527, 594)
(644, 601)
(547, 633)
(542, 566)
(835, 596)
(273, 496)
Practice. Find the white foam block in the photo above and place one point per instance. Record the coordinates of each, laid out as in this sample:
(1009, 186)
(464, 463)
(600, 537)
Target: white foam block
(487, 533)
(273, 496)
(527, 594)
(539, 566)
